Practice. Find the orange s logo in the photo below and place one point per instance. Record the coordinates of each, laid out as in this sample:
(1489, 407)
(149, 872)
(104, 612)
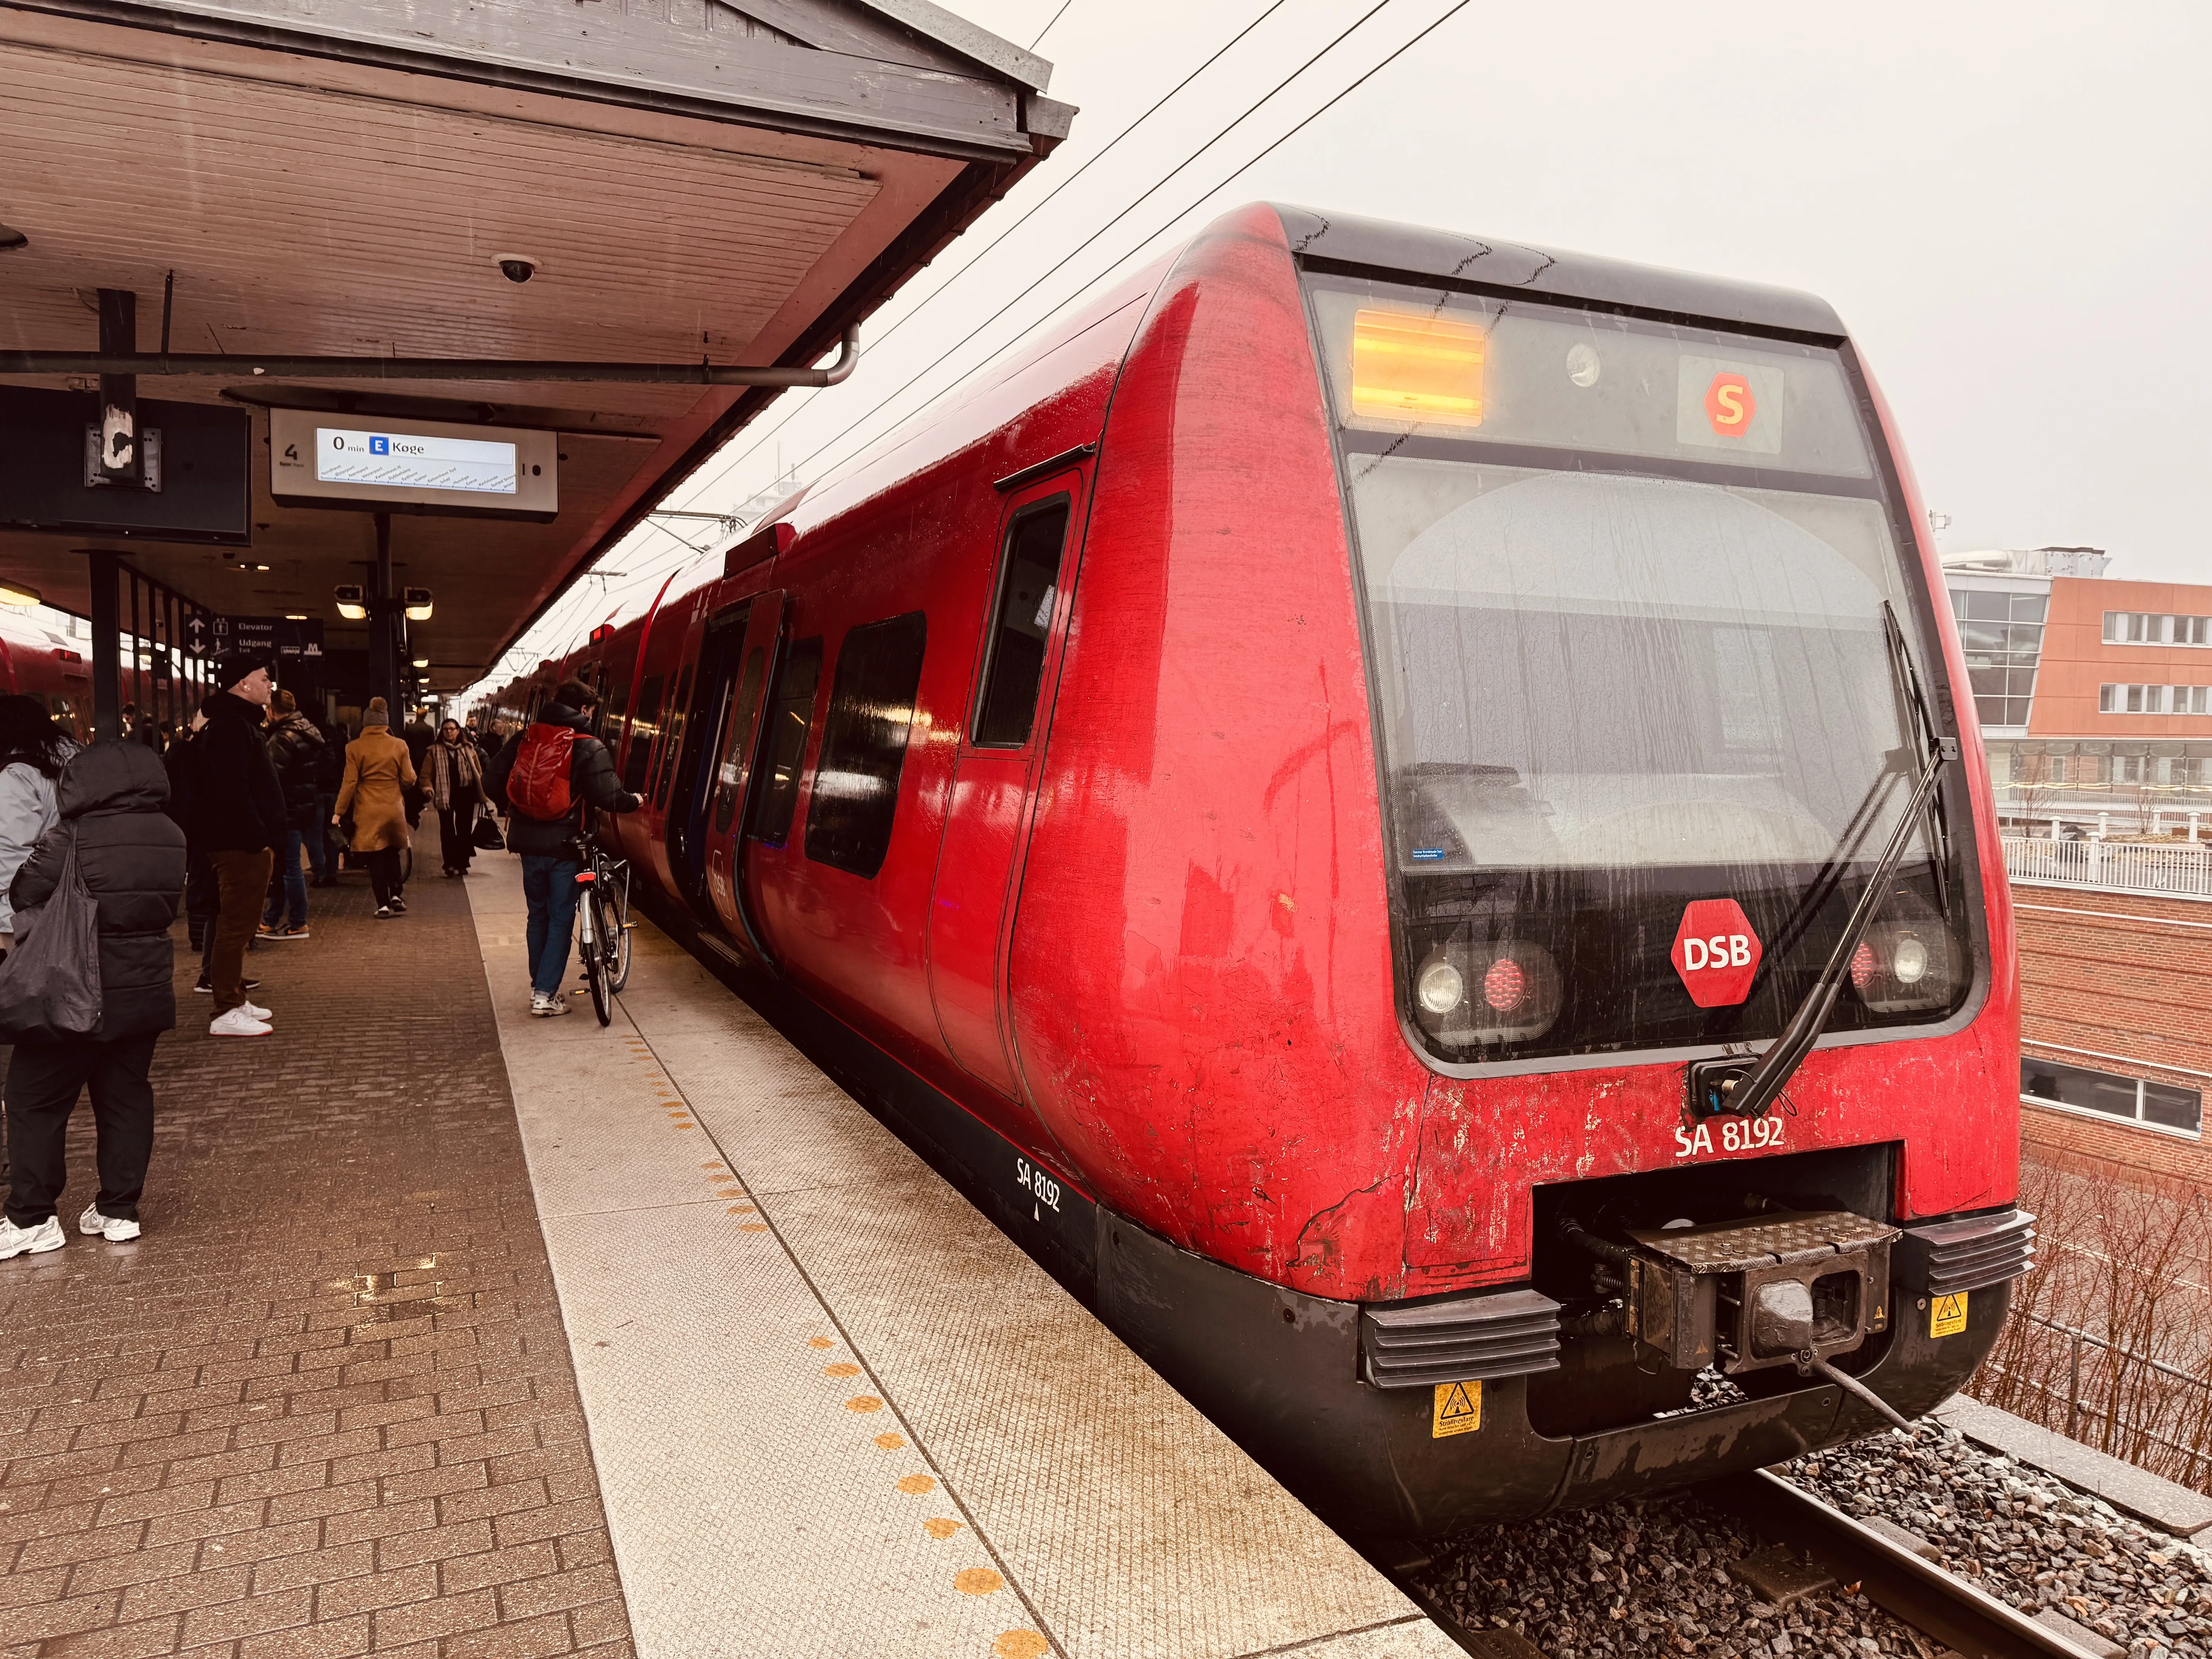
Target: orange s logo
(1729, 405)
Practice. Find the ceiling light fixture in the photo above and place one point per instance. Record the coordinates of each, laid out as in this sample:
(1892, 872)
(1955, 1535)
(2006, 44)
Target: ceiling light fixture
(418, 604)
(16, 592)
(295, 615)
(351, 606)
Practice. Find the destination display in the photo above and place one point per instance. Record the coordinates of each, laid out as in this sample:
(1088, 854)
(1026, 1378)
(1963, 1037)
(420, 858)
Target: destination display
(403, 460)
(316, 459)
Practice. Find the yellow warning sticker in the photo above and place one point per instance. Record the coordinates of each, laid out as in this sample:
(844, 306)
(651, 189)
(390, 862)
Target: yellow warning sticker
(1947, 1315)
(1458, 1409)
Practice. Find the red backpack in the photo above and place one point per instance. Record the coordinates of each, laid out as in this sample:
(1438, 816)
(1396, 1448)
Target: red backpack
(538, 787)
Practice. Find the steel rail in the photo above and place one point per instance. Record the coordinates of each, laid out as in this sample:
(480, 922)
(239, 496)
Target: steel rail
(155, 365)
(1934, 1601)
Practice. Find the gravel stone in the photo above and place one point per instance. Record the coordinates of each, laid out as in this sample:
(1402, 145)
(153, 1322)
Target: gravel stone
(2027, 1537)
(1637, 1580)
(1633, 1581)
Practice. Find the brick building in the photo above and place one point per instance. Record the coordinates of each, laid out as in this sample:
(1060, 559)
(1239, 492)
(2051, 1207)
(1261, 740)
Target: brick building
(2116, 1039)
(2094, 694)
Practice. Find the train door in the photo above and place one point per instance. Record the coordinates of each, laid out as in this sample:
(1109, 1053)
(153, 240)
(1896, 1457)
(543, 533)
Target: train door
(979, 864)
(690, 803)
(733, 774)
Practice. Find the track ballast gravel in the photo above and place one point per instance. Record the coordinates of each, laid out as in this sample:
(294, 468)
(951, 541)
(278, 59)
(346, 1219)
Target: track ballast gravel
(1654, 1577)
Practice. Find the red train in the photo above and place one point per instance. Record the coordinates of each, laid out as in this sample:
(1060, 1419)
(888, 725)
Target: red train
(1317, 788)
(36, 661)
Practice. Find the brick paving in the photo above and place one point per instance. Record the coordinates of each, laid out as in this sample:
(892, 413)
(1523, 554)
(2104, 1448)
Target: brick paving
(325, 1406)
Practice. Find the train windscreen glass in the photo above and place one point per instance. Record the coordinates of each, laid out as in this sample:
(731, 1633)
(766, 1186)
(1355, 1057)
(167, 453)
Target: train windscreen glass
(1628, 589)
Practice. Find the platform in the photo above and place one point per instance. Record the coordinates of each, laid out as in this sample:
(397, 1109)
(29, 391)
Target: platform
(459, 1333)
(834, 1410)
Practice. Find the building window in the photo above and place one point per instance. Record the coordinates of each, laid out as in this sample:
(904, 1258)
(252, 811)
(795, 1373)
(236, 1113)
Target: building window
(2150, 628)
(2111, 1095)
(2003, 635)
(2154, 699)
(849, 818)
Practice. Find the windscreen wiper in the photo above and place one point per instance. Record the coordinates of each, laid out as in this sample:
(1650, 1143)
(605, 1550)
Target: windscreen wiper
(1722, 1086)
(1907, 678)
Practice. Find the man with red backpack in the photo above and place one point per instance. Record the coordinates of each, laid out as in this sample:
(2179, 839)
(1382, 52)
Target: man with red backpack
(545, 779)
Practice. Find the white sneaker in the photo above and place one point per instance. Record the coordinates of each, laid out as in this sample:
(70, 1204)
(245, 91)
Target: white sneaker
(545, 1007)
(113, 1228)
(239, 1022)
(257, 1013)
(31, 1240)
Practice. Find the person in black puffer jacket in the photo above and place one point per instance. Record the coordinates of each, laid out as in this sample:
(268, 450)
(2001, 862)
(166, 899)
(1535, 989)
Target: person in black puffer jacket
(131, 857)
(238, 817)
(295, 750)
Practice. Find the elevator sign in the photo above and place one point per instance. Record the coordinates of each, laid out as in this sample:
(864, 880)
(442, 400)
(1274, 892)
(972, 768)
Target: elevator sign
(1715, 952)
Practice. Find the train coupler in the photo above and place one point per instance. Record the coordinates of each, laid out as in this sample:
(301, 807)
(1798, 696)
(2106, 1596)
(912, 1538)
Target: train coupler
(1746, 1296)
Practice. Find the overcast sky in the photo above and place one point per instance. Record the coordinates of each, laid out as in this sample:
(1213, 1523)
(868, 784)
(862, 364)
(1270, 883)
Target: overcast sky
(2011, 205)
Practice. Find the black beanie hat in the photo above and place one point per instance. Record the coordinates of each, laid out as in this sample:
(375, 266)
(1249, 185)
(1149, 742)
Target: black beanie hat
(235, 665)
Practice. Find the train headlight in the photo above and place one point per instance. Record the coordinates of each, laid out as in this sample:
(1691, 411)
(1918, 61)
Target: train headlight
(1907, 964)
(1441, 987)
(1472, 994)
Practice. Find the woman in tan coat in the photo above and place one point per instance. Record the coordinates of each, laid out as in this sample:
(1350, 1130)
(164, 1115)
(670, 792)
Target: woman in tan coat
(377, 769)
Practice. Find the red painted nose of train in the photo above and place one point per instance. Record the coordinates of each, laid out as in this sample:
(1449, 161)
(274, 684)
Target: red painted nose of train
(1478, 707)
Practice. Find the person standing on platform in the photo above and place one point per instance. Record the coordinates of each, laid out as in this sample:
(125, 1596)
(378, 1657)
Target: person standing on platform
(418, 738)
(131, 857)
(546, 778)
(378, 775)
(295, 750)
(452, 775)
(238, 809)
(33, 751)
(325, 850)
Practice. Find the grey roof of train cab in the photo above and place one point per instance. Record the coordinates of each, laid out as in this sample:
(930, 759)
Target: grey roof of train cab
(1487, 264)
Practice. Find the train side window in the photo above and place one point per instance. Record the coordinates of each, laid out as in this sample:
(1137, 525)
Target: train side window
(678, 709)
(741, 721)
(791, 717)
(641, 739)
(616, 704)
(1021, 623)
(849, 818)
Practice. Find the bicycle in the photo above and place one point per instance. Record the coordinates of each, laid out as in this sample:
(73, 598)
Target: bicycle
(602, 927)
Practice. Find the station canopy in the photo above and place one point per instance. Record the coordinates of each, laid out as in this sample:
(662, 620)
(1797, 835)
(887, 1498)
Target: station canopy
(691, 182)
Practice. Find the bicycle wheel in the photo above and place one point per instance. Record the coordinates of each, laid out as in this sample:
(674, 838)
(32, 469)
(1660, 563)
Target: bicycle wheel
(617, 935)
(599, 960)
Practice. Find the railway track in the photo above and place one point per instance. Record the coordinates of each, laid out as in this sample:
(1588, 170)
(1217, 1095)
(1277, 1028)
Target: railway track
(1937, 1603)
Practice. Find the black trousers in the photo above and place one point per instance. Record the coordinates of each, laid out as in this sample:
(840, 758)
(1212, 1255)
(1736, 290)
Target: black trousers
(384, 874)
(44, 1081)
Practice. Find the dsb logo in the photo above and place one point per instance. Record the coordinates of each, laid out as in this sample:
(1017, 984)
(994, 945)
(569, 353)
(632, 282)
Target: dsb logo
(1715, 952)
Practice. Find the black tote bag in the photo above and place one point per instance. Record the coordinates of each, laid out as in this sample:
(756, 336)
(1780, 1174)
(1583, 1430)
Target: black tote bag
(50, 984)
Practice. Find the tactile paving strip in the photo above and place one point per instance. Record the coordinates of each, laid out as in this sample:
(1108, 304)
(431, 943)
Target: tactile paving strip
(762, 1494)
(1074, 1504)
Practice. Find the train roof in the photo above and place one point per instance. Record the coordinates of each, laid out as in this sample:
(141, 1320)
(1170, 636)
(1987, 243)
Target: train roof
(1485, 264)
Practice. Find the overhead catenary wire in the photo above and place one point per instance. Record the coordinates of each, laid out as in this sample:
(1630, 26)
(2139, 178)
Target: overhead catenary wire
(1215, 189)
(1250, 110)
(799, 405)
(1048, 29)
(1089, 240)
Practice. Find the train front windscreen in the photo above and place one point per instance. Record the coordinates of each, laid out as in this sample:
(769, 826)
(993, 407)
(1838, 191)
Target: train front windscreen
(1652, 677)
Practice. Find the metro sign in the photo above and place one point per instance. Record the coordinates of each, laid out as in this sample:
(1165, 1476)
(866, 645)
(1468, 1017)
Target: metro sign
(1715, 952)
(1730, 404)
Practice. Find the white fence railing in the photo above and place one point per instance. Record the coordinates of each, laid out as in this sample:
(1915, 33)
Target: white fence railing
(2183, 871)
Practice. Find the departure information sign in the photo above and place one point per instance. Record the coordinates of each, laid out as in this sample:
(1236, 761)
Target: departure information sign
(413, 460)
(413, 466)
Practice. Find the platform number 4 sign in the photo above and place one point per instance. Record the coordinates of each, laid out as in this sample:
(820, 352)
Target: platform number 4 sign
(1947, 1315)
(1458, 1410)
